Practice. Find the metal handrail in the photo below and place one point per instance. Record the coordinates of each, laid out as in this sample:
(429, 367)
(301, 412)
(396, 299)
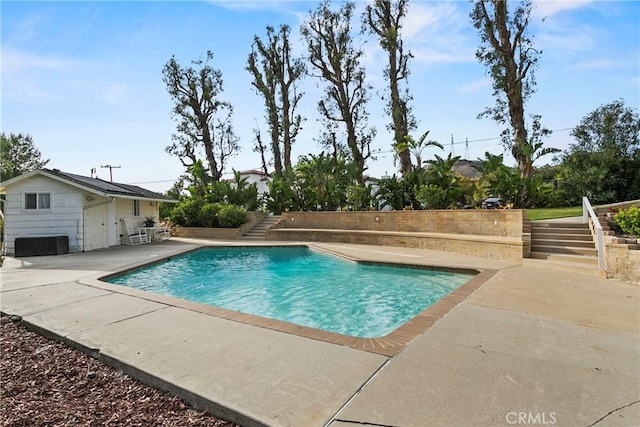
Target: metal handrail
(587, 211)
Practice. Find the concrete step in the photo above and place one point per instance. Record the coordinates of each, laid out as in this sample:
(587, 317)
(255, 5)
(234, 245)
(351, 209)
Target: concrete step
(254, 233)
(570, 250)
(263, 226)
(569, 230)
(572, 267)
(560, 241)
(556, 236)
(544, 224)
(576, 259)
(259, 228)
(245, 237)
(259, 231)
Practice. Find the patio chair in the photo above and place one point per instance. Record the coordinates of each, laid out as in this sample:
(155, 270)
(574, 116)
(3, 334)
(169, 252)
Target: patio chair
(137, 236)
(161, 233)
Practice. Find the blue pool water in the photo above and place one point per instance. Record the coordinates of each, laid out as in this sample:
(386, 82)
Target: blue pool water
(298, 285)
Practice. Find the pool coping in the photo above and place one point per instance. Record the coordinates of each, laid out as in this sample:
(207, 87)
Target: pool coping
(388, 345)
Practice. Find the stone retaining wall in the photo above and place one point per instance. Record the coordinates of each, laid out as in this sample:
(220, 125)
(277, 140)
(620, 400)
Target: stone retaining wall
(485, 222)
(623, 262)
(496, 234)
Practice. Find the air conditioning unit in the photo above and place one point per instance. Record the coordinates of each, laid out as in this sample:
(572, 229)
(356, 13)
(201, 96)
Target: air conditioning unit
(36, 246)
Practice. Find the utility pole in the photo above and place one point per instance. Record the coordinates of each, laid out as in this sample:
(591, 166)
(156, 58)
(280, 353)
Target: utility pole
(452, 145)
(111, 168)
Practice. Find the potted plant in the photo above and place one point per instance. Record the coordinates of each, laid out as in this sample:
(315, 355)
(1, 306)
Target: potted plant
(149, 221)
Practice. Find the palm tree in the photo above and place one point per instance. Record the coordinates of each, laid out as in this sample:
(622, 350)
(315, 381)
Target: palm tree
(416, 147)
(441, 174)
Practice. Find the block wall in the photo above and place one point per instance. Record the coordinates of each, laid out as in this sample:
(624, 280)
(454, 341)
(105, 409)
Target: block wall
(495, 234)
(487, 222)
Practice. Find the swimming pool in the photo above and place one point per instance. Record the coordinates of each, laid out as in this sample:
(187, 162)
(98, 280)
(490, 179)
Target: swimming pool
(300, 286)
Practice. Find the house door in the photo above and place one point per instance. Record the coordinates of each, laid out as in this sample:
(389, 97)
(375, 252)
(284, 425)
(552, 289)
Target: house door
(96, 228)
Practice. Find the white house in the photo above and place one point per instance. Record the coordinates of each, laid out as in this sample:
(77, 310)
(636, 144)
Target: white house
(89, 211)
(254, 176)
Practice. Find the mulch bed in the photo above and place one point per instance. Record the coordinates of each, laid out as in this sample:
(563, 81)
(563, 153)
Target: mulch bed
(46, 383)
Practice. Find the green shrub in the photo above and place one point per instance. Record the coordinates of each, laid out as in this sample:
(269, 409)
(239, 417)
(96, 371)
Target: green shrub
(196, 212)
(281, 195)
(431, 196)
(359, 197)
(231, 216)
(165, 210)
(208, 215)
(629, 220)
(186, 213)
(240, 194)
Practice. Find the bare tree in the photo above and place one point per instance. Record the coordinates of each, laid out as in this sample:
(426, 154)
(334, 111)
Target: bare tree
(510, 57)
(259, 147)
(334, 60)
(383, 19)
(275, 74)
(204, 121)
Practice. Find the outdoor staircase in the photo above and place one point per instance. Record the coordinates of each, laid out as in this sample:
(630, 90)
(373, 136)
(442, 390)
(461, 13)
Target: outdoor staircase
(564, 245)
(260, 230)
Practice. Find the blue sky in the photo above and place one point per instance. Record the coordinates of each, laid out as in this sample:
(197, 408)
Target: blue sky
(85, 78)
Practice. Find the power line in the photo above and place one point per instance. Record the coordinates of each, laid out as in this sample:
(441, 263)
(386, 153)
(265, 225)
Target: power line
(375, 152)
(154, 182)
(467, 141)
(167, 180)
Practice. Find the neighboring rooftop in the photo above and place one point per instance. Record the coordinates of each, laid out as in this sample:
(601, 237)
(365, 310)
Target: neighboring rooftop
(468, 168)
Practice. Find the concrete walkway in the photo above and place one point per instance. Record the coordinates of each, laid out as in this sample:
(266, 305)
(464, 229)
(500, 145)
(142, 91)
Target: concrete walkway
(530, 347)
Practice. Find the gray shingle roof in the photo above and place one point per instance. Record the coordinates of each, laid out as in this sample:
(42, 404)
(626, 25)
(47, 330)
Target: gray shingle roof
(111, 188)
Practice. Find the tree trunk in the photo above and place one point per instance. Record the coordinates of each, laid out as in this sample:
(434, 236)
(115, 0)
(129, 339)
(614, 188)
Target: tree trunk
(398, 113)
(286, 126)
(513, 89)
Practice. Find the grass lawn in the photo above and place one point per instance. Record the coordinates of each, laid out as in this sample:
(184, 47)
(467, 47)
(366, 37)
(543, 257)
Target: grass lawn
(550, 213)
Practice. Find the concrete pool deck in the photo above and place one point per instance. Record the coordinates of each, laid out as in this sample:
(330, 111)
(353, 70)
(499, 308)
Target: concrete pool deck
(531, 346)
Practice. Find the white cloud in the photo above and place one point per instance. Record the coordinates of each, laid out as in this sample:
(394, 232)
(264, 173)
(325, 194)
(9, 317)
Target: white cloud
(424, 19)
(21, 70)
(19, 62)
(597, 64)
(566, 40)
(26, 30)
(114, 94)
(437, 55)
(438, 33)
(278, 5)
(25, 90)
(475, 86)
(548, 8)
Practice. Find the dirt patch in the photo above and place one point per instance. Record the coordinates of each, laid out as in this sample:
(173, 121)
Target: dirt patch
(46, 383)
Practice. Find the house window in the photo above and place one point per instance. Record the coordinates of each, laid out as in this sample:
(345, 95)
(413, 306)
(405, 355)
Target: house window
(37, 201)
(136, 208)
